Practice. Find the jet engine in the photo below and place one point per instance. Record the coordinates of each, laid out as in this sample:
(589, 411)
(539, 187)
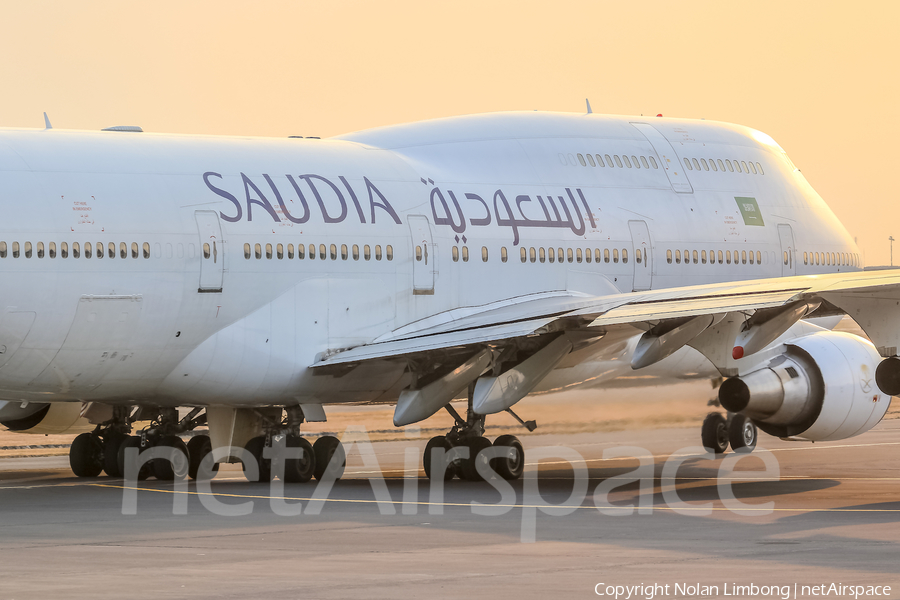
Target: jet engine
(822, 387)
(59, 417)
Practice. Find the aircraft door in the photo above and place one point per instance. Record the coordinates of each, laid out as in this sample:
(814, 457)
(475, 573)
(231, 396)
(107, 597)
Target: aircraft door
(665, 152)
(212, 251)
(423, 255)
(786, 235)
(643, 255)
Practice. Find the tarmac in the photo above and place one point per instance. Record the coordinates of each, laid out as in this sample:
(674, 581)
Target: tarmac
(801, 514)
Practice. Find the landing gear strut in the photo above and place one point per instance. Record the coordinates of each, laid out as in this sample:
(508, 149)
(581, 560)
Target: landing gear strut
(469, 432)
(717, 432)
(164, 432)
(91, 453)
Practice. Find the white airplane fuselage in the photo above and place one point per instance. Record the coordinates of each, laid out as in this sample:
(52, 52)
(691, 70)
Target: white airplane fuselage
(201, 295)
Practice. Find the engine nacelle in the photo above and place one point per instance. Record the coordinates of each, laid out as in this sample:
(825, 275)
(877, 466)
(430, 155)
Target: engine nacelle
(821, 388)
(58, 417)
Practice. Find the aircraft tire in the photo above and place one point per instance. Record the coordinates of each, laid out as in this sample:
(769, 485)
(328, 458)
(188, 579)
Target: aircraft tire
(439, 441)
(509, 468)
(742, 434)
(132, 441)
(328, 449)
(300, 470)
(255, 447)
(714, 433)
(111, 453)
(198, 448)
(177, 468)
(86, 455)
(469, 466)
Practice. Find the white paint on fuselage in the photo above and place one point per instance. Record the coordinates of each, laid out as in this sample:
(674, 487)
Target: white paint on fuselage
(251, 343)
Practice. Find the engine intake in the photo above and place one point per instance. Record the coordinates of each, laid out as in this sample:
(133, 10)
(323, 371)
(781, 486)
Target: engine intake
(821, 388)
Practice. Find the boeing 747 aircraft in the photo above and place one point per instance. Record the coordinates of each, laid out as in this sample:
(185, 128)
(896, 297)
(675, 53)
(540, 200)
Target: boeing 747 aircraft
(256, 281)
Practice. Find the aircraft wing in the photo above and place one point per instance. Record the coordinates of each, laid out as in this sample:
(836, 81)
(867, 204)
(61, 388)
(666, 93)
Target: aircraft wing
(868, 296)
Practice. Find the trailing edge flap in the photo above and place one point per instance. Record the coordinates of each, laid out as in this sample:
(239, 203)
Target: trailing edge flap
(532, 314)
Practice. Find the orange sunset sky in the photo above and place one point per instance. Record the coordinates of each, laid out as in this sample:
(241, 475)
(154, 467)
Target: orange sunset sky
(819, 77)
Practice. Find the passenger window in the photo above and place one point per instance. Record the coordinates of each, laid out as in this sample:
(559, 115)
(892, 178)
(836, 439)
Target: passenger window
(634, 160)
(785, 257)
(571, 159)
(606, 255)
(87, 250)
(345, 254)
(323, 252)
(752, 167)
(257, 251)
(134, 250)
(503, 255)
(279, 251)
(465, 252)
(51, 250)
(744, 165)
(721, 257)
(577, 255)
(744, 257)
(596, 255)
(551, 254)
(355, 252)
(618, 161)
(100, 250)
(587, 255)
(569, 255)
(532, 255)
(627, 162)
(301, 251)
(2, 249)
(76, 250)
(581, 160)
(653, 162)
(419, 253)
(624, 255)
(637, 255)
(523, 254)
(696, 164)
(591, 160)
(805, 259)
(703, 162)
(484, 251)
(644, 162)
(712, 164)
(703, 256)
(207, 250)
(758, 258)
(751, 257)
(669, 256)
(312, 252)
(600, 161)
(721, 164)
(728, 164)
(759, 168)
(64, 250)
(367, 253)
(389, 252)
(687, 164)
(615, 255)
(27, 249)
(246, 251)
(290, 251)
(378, 252)
(609, 162)
(678, 257)
(695, 257)
(542, 254)
(455, 253)
(333, 249)
(737, 167)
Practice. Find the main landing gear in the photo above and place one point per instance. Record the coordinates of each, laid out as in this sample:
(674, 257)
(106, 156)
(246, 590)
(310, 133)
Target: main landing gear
(324, 458)
(738, 430)
(98, 451)
(469, 432)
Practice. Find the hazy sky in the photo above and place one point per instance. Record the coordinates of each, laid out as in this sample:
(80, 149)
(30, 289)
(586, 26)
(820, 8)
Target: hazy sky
(819, 77)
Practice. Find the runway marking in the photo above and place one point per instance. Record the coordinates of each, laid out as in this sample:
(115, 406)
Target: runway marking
(497, 505)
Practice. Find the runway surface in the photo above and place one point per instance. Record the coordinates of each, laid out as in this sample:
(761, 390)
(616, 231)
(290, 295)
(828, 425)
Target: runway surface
(833, 518)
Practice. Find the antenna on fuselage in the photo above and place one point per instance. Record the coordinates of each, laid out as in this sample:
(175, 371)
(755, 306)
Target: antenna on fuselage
(47, 124)
(586, 100)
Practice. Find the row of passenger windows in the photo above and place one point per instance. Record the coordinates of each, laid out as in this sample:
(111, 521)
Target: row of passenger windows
(849, 259)
(720, 256)
(606, 160)
(716, 164)
(324, 252)
(550, 254)
(99, 250)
